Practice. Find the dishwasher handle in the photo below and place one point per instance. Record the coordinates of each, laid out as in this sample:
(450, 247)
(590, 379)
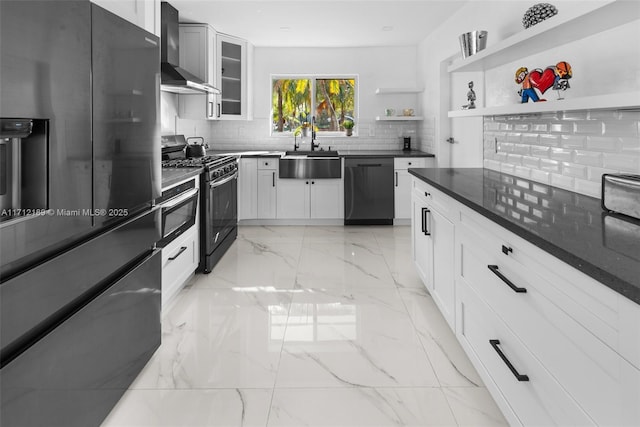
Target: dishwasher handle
(369, 165)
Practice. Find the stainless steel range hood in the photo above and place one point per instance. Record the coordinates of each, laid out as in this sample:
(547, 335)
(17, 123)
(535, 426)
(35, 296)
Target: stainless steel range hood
(174, 78)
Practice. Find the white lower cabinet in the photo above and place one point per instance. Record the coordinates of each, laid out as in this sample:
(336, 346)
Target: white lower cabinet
(267, 176)
(248, 188)
(527, 394)
(310, 198)
(552, 345)
(180, 259)
(402, 183)
(433, 245)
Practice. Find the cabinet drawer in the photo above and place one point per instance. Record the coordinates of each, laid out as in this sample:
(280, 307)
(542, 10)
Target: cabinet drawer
(267, 163)
(436, 199)
(567, 349)
(179, 260)
(409, 162)
(536, 400)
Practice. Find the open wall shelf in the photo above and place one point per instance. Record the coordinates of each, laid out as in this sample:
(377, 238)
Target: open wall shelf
(549, 33)
(610, 101)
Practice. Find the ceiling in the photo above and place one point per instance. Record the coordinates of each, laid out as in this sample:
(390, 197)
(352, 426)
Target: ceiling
(312, 23)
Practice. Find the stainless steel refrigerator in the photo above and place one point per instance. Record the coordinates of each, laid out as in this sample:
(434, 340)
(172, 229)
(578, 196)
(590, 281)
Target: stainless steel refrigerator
(79, 169)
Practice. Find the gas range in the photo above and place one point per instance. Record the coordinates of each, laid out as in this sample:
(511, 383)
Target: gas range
(193, 162)
(215, 167)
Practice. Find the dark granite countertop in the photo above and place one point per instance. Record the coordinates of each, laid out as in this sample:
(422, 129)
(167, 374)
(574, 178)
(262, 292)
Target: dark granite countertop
(341, 153)
(384, 153)
(172, 176)
(568, 225)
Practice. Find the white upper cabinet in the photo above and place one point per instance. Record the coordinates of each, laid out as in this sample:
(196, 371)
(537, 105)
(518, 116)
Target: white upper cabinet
(233, 71)
(143, 13)
(198, 56)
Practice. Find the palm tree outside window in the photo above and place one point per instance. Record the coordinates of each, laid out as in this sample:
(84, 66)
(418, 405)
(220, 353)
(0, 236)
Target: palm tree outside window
(296, 100)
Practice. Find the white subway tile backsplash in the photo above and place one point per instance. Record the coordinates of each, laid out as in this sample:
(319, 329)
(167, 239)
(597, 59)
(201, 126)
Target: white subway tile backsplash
(514, 137)
(630, 144)
(591, 158)
(566, 127)
(558, 180)
(572, 141)
(549, 165)
(575, 115)
(589, 127)
(539, 151)
(578, 171)
(563, 154)
(550, 140)
(570, 150)
(602, 144)
(622, 162)
(621, 128)
(530, 138)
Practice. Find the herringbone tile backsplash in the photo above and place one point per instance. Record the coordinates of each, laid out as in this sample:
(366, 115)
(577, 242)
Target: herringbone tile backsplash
(570, 150)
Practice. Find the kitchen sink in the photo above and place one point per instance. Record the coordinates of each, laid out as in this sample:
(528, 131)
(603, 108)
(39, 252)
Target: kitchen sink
(316, 153)
(310, 166)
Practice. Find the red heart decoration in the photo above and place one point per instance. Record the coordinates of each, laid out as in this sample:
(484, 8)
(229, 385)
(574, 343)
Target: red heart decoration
(542, 80)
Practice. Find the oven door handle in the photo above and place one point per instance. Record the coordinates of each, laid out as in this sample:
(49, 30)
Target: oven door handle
(215, 184)
(179, 199)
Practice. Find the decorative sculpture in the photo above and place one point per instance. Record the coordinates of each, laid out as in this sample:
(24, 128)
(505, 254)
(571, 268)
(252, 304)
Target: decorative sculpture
(555, 77)
(471, 97)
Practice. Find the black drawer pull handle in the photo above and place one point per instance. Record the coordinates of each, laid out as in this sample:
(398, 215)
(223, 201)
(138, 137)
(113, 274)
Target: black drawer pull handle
(494, 270)
(425, 211)
(426, 194)
(506, 250)
(182, 249)
(519, 376)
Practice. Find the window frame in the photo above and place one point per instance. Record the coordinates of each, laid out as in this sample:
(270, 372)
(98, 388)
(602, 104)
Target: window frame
(313, 78)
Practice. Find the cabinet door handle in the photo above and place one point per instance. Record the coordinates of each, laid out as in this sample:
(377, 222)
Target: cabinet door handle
(210, 109)
(273, 179)
(518, 375)
(396, 179)
(494, 270)
(219, 109)
(182, 249)
(425, 211)
(506, 249)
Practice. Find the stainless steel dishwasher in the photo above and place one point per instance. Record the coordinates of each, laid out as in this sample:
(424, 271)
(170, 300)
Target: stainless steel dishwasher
(368, 191)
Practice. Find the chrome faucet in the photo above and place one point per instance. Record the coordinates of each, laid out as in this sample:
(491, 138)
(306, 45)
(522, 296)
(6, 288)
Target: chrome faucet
(313, 134)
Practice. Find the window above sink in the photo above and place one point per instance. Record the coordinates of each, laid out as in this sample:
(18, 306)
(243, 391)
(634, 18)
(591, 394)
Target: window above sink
(297, 99)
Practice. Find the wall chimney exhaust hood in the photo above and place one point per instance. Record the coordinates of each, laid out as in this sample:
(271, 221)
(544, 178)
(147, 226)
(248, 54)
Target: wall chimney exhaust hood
(174, 78)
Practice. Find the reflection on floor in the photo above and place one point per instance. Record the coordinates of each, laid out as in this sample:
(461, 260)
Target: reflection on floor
(308, 326)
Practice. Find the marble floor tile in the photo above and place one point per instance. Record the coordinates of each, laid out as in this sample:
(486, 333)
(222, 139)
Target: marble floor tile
(256, 262)
(352, 339)
(474, 406)
(282, 234)
(359, 406)
(191, 408)
(346, 234)
(344, 265)
(451, 364)
(308, 326)
(219, 339)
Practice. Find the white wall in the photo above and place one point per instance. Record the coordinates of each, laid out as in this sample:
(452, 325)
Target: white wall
(501, 19)
(373, 66)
